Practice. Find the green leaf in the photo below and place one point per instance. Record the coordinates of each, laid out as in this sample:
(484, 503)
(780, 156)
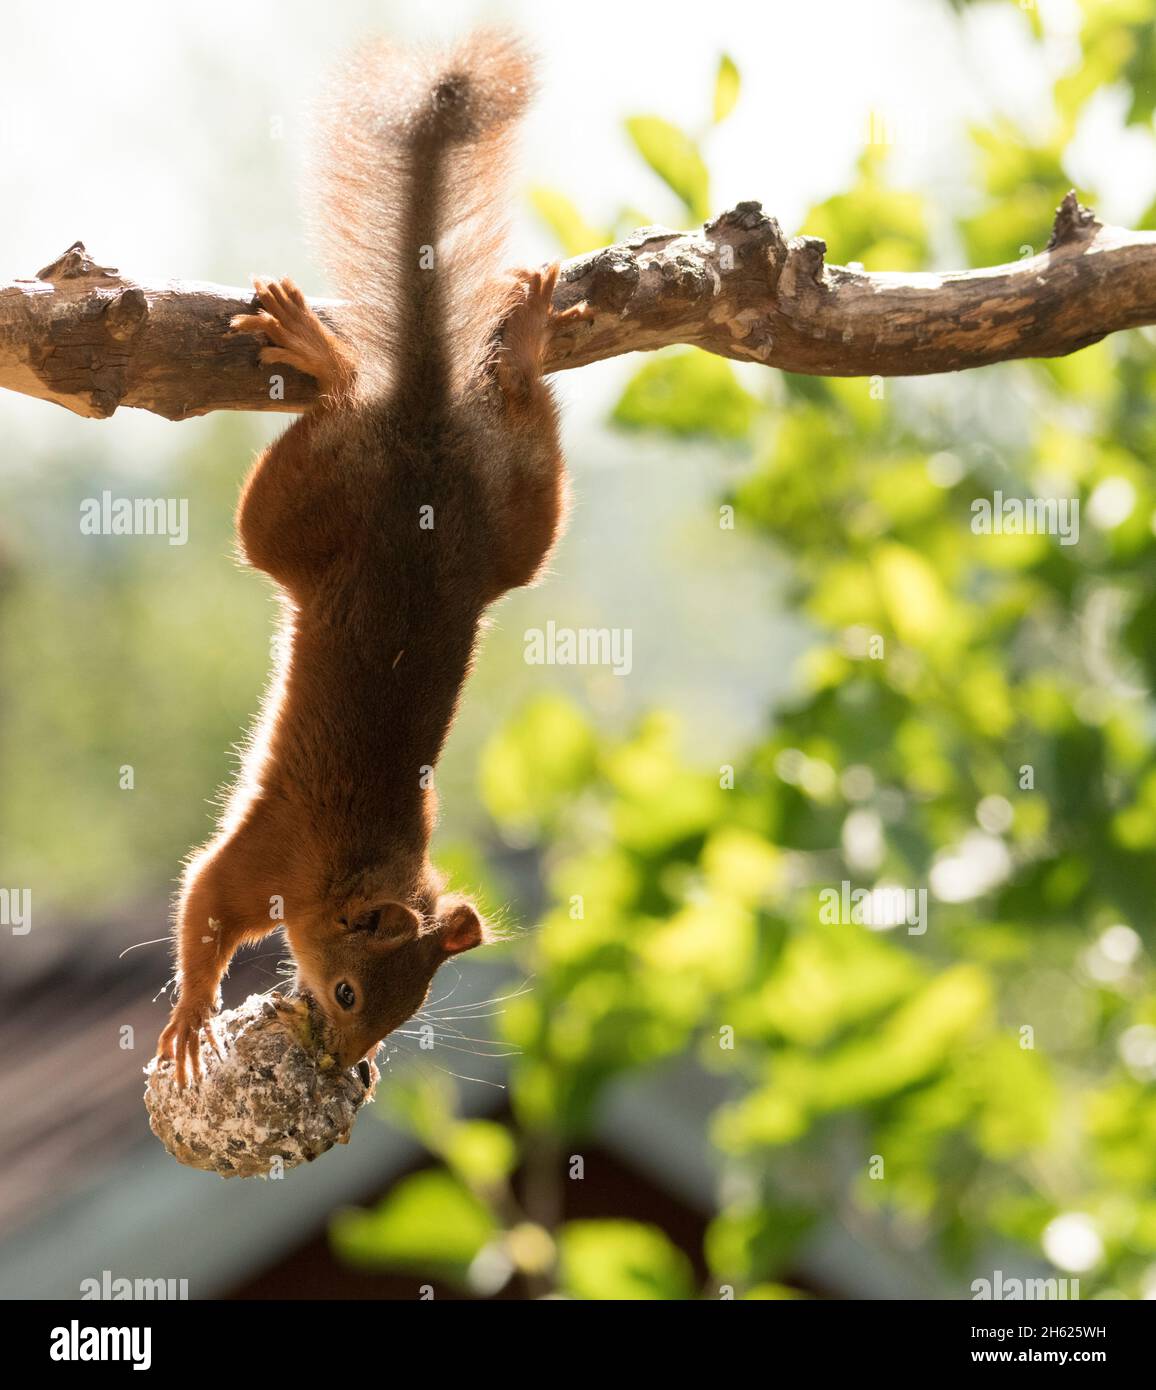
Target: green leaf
(1017, 1099)
(919, 1038)
(883, 227)
(481, 1153)
(575, 235)
(726, 88)
(911, 593)
(534, 766)
(675, 158)
(687, 393)
(713, 942)
(424, 1103)
(429, 1223)
(755, 1243)
(621, 1260)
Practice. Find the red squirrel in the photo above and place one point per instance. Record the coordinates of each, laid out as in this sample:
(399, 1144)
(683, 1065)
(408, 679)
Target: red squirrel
(425, 482)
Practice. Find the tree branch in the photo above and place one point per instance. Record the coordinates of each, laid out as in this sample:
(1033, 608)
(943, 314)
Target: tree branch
(90, 339)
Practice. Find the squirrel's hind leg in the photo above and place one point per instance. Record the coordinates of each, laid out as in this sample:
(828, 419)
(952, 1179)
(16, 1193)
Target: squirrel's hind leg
(526, 332)
(290, 517)
(531, 483)
(298, 337)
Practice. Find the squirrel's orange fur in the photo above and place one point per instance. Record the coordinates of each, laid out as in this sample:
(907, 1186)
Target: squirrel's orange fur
(425, 483)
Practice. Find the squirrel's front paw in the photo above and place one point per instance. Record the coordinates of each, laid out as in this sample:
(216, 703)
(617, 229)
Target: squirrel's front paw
(181, 1039)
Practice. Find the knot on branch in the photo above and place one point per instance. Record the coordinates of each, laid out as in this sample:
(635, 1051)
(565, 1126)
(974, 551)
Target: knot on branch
(685, 276)
(75, 264)
(803, 270)
(744, 229)
(1073, 223)
(126, 313)
(610, 276)
(748, 217)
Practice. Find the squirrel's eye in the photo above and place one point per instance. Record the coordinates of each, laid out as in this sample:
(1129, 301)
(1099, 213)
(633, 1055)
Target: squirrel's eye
(344, 995)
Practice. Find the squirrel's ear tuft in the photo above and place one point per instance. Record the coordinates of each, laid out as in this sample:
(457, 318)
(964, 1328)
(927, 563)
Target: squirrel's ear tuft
(459, 926)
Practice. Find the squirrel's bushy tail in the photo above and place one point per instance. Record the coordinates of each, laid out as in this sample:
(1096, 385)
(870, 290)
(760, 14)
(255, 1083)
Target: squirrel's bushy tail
(410, 213)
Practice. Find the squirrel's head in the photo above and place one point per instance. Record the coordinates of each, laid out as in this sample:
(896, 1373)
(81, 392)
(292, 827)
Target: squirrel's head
(369, 972)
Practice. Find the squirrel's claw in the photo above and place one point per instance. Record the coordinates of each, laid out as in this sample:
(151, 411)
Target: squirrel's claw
(577, 313)
(181, 1040)
(252, 323)
(215, 1038)
(296, 336)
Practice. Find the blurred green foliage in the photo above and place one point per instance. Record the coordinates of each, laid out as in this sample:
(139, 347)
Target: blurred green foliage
(975, 718)
(122, 652)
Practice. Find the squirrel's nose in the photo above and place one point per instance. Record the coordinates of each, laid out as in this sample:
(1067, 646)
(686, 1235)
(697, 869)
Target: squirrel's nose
(363, 1072)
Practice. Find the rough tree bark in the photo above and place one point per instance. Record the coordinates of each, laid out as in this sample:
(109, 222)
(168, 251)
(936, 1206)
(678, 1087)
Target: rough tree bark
(90, 339)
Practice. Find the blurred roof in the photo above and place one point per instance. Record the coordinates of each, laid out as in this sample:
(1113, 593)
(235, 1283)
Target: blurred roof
(77, 1026)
